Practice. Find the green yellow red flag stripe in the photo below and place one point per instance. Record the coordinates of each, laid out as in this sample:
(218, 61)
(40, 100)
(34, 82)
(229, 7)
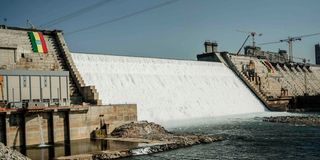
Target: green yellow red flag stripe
(38, 43)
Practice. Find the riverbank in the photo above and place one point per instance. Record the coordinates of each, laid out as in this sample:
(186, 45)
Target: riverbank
(152, 138)
(301, 120)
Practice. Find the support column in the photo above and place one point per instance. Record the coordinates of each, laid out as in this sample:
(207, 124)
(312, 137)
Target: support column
(50, 128)
(3, 129)
(66, 127)
(22, 127)
(51, 138)
(7, 118)
(67, 147)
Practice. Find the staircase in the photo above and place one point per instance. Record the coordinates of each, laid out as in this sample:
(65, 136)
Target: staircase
(275, 104)
(79, 91)
(75, 95)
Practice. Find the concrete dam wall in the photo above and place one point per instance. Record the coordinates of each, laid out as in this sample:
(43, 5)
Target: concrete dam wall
(165, 89)
(283, 86)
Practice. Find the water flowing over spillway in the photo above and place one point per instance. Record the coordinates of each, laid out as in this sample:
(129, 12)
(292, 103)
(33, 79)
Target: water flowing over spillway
(165, 89)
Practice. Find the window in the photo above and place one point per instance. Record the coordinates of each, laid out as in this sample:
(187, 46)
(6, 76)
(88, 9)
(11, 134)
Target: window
(22, 55)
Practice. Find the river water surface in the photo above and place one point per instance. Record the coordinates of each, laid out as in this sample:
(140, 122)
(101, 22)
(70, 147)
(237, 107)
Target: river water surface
(246, 137)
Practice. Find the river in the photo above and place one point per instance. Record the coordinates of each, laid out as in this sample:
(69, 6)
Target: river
(246, 137)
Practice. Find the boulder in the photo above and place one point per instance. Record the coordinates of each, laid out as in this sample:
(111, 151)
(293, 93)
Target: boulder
(141, 129)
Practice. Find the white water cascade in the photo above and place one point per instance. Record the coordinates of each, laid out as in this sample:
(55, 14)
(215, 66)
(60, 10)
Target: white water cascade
(42, 143)
(166, 89)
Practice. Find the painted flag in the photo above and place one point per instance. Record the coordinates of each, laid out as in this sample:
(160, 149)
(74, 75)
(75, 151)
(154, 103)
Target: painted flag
(37, 42)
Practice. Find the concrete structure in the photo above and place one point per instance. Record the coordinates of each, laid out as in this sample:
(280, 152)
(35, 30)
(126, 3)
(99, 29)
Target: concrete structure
(209, 55)
(62, 124)
(16, 54)
(278, 84)
(317, 53)
(23, 88)
(44, 94)
(210, 47)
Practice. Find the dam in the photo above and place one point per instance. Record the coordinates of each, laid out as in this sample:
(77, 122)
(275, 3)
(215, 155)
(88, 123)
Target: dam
(50, 95)
(165, 89)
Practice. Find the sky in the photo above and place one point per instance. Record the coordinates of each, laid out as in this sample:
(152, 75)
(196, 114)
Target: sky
(177, 30)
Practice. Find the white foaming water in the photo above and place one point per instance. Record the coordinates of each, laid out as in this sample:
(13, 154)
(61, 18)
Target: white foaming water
(165, 89)
(141, 151)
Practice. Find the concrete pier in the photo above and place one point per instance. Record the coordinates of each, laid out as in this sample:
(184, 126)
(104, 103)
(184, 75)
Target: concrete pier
(3, 131)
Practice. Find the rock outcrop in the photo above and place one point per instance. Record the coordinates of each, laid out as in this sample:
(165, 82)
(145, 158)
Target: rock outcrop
(152, 131)
(163, 139)
(307, 120)
(8, 153)
(142, 129)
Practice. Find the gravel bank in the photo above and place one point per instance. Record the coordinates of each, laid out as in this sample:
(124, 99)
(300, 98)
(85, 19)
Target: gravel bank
(7, 153)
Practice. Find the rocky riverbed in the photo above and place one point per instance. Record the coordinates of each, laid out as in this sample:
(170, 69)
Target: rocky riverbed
(162, 140)
(7, 153)
(306, 120)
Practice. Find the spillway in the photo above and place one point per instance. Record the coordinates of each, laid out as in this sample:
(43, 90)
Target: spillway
(166, 89)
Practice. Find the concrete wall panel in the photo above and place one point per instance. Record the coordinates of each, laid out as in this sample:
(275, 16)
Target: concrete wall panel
(13, 88)
(45, 87)
(25, 87)
(7, 57)
(55, 88)
(33, 125)
(64, 87)
(35, 87)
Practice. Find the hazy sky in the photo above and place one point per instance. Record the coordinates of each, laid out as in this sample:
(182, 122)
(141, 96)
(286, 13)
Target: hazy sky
(177, 30)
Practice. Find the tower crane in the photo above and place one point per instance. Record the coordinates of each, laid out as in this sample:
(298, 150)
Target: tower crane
(290, 41)
(249, 34)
